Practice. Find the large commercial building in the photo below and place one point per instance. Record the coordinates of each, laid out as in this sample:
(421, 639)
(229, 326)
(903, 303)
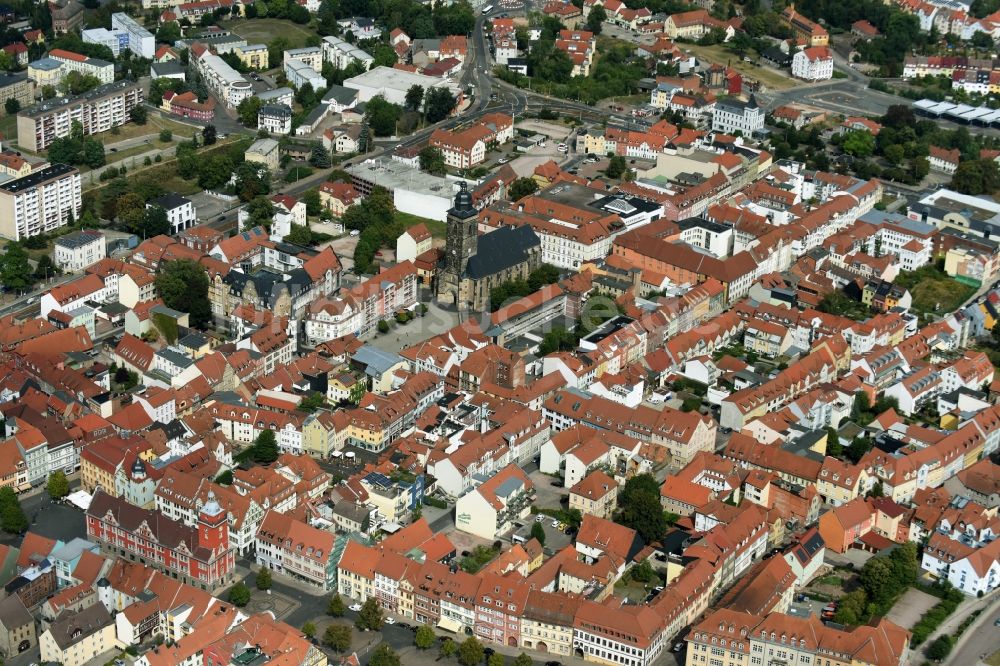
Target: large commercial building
(413, 191)
(97, 111)
(125, 35)
(40, 202)
(393, 84)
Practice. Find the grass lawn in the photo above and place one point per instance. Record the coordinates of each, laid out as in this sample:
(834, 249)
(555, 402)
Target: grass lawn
(720, 54)
(262, 31)
(933, 291)
(8, 125)
(436, 228)
(994, 659)
(152, 127)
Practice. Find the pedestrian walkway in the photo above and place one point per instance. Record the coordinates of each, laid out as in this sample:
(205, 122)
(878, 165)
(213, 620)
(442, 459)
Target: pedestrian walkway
(964, 610)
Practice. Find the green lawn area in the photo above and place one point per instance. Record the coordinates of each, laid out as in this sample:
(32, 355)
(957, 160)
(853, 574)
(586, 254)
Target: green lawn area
(436, 228)
(8, 125)
(262, 31)
(153, 126)
(720, 54)
(933, 291)
(994, 659)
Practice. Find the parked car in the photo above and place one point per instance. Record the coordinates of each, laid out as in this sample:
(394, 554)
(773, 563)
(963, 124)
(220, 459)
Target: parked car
(390, 620)
(555, 524)
(355, 607)
(539, 518)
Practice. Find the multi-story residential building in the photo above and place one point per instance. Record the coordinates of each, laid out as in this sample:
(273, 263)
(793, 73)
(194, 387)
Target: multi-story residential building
(40, 202)
(299, 73)
(201, 556)
(98, 110)
(77, 637)
(733, 115)
(813, 64)
(180, 211)
(462, 149)
(492, 508)
(228, 85)
(290, 547)
(264, 151)
(19, 87)
(341, 53)
(254, 56)
(275, 119)
(596, 494)
(76, 251)
(730, 638)
(102, 70)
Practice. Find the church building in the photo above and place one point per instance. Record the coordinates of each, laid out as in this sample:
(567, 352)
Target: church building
(474, 264)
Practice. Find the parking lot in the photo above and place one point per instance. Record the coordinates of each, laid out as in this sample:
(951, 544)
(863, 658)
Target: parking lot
(555, 539)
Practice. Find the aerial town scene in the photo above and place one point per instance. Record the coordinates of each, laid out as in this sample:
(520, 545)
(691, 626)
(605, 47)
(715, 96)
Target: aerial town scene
(499, 333)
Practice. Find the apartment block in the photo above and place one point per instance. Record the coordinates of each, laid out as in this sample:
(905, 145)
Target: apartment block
(97, 111)
(39, 202)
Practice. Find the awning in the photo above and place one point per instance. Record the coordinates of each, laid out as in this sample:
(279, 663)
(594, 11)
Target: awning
(80, 498)
(448, 624)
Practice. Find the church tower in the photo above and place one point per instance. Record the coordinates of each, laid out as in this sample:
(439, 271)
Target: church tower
(460, 245)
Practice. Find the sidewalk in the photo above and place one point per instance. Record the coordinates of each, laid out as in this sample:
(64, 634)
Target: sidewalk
(964, 610)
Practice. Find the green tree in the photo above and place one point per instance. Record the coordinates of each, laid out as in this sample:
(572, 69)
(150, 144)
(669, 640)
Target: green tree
(336, 606)
(338, 637)
(154, 222)
(383, 326)
(384, 656)
(209, 135)
(414, 98)
(314, 205)
(58, 485)
(15, 271)
(11, 106)
(596, 19)
(438, 104)
(448, 648)
(314, 401)
(239, 595)
(522, 187)
(852, 608)
(248, 110)
(617, 167)
(265, 447)
(523, 659)
(183, 286)
(940, 648)
(538, 532)
(878, 580)
(214, 171)
(138, 115)
(166, 136)
(470, 652)
(859, 143)
(381, 116)
(45, 268)
(260, 212)
(496, 659)
(319, 157)
(309, 629)
(424, 637)
(432, 160)
(263, 579)
(370, 616)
